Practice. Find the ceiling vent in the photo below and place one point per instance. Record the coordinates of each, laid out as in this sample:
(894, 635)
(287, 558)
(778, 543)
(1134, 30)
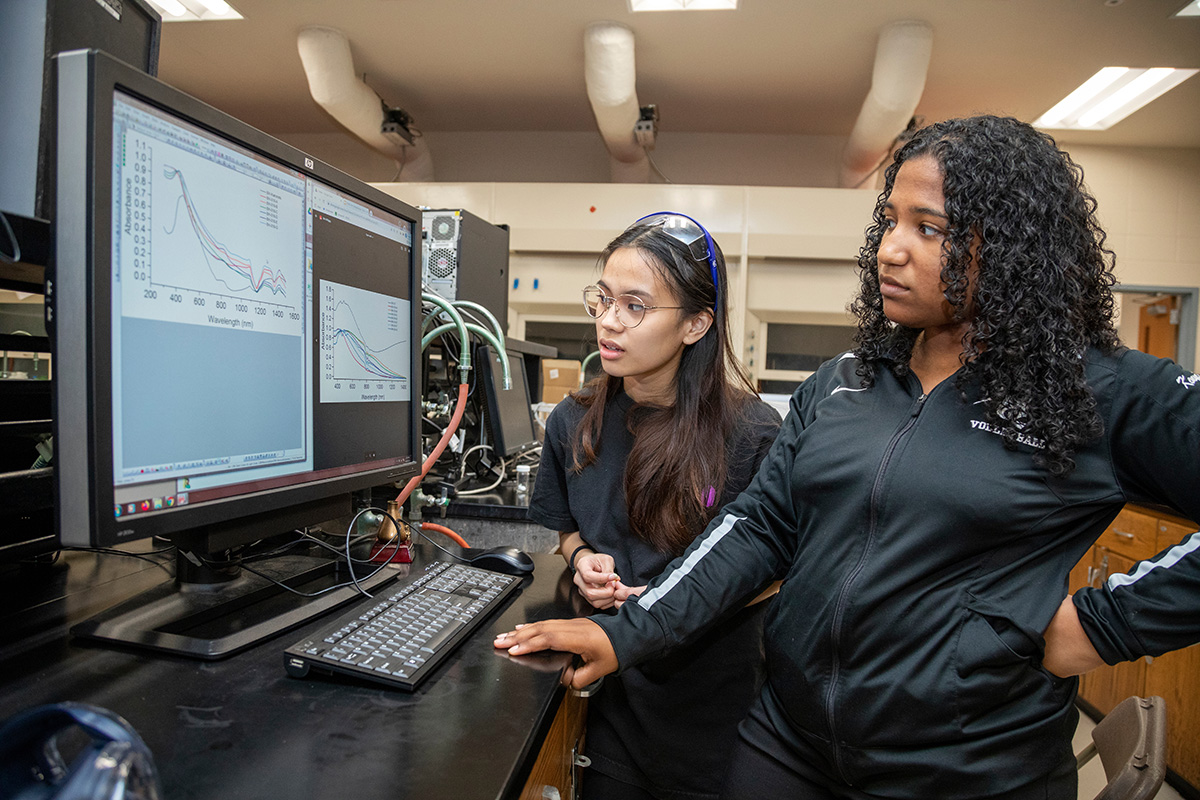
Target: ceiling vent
(325, 54)
(897, 82)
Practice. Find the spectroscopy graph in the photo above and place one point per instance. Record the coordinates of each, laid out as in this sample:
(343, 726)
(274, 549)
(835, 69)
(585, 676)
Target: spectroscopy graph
(364, 345)
(238, 273)
(229, 257)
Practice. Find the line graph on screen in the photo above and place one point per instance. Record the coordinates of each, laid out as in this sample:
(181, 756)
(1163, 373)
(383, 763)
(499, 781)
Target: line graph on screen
(236, 272)
(364, 344)
(209, 238)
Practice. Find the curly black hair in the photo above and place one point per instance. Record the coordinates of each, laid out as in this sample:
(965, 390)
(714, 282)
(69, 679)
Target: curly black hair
(1043, 293)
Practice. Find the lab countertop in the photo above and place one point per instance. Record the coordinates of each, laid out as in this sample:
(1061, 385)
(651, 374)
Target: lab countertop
(241, 728)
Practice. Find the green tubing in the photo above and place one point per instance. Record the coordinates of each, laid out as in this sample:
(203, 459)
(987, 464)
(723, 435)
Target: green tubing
(487, 315)
(484, 333)
(464, 364)
(587, 360)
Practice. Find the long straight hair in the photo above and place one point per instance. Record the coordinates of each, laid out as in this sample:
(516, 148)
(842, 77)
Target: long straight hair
(678, 465)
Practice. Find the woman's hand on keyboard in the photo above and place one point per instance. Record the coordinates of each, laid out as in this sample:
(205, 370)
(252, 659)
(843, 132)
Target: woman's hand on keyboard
(580, 636)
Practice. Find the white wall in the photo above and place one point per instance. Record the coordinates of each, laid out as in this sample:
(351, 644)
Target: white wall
(791, 250)
(1150, 207)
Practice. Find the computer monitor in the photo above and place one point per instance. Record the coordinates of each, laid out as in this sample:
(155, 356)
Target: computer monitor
(34, 30)
(236, 333)
(508, 412)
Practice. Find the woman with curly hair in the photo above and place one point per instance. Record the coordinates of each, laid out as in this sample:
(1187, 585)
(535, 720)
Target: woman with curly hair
(929, 493)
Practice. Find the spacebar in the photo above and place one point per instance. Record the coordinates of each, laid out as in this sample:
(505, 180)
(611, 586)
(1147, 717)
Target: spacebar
(441, 636)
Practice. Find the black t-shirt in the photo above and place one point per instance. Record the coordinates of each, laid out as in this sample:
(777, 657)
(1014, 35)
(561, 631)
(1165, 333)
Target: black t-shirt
(668, 725)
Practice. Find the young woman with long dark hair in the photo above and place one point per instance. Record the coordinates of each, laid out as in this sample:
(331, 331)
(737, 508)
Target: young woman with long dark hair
(929, 493)
(633, 467)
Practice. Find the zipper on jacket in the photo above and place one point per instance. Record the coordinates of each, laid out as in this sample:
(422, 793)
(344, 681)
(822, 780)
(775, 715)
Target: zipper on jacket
(843, 595)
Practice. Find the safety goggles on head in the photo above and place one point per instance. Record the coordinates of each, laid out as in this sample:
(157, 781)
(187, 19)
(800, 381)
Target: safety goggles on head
(692, 234)
(630, 308)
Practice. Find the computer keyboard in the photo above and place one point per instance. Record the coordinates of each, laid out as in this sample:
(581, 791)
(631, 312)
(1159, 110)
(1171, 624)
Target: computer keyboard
(400, 637)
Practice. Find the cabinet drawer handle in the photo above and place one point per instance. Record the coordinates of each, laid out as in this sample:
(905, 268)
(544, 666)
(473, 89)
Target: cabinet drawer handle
(1123, 534)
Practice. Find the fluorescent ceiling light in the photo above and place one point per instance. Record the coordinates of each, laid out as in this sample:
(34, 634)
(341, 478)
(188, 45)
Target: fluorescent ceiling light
(1109, 96)
(195, 10)
(1190, 10)
(219, 7)
(681, 5)
(173, 8)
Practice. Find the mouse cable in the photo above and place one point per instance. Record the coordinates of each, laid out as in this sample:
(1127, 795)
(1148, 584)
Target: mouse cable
(426, 537)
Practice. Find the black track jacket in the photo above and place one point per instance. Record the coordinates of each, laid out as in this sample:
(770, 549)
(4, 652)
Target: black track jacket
(922, 560)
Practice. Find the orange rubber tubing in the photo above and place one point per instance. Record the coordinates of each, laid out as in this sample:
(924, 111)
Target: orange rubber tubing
(441, 445)
(433, 526)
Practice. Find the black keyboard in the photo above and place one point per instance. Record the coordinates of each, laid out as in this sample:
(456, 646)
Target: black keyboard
(400, 636)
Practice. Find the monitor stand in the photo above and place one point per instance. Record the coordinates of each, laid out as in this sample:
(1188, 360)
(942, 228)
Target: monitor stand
(211, 618)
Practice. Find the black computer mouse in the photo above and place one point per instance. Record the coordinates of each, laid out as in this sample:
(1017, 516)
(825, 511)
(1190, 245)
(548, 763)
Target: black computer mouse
(508, 560)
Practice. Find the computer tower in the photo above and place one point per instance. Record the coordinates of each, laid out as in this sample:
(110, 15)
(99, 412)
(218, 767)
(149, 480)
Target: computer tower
(466, 258)
(33, 32)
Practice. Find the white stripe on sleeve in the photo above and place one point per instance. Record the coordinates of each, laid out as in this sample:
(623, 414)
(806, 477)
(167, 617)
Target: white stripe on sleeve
(651, 597)
(1168, 560)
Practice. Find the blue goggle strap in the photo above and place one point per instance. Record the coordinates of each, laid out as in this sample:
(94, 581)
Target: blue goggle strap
(680, 234)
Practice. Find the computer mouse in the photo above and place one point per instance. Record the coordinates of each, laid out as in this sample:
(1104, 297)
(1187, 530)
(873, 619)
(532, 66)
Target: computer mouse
(507, 559)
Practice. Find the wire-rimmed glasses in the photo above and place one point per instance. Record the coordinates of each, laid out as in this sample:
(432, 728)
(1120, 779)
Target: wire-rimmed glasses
(631, 309)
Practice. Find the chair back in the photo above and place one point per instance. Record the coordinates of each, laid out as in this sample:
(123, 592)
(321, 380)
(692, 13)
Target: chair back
(1131, 742)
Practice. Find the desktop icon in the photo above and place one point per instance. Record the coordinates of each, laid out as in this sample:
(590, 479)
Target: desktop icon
(158, 503)
(144, 505)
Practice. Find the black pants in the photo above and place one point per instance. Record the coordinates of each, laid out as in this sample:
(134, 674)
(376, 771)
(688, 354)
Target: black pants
(598, 786)
(755, 775)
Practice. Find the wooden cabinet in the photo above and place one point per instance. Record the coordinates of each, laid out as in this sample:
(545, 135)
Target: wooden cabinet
(1173, 677)
(1137, 534)
(554, 775)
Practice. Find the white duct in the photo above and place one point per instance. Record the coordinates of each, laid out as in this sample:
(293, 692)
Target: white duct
(325, 54)
(611, 87)
(901, 61)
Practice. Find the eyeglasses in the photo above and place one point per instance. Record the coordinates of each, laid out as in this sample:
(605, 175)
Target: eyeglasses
(630, 308)
(692, 234)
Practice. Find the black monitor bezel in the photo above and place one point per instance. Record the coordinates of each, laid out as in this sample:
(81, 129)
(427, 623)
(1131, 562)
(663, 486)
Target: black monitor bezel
(87, 82)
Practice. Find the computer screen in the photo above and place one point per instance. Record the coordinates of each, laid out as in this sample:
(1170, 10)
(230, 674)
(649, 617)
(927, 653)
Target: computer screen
(508, 412)
(236, 324)
(34, 30)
